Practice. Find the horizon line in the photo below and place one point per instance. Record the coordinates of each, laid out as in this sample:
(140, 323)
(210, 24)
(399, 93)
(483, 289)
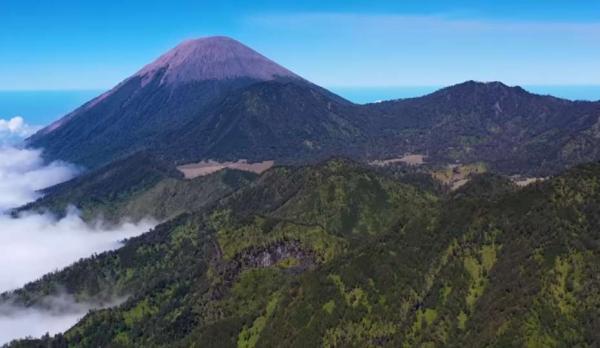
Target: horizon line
(440, 85)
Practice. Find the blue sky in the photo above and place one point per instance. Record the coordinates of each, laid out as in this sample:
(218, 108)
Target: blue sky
(95, 44)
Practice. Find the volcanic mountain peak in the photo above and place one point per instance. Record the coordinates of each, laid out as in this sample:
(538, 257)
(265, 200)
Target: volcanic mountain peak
(213, 58)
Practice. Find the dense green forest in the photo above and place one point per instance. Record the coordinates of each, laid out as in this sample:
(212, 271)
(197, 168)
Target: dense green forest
(343, 255)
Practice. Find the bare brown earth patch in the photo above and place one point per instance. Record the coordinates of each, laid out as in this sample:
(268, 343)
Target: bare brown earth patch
(202, 168)
(410, 159)
(522, 181)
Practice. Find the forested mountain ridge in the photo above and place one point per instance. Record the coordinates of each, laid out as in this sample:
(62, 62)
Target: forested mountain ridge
(509, 128)
(339, 255)
(139, 186)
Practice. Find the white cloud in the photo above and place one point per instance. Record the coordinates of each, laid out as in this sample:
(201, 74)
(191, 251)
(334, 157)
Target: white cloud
(13, 125)
(34, 244)
(52, 317)
(23, 173)
(18, 322)
(14, 130)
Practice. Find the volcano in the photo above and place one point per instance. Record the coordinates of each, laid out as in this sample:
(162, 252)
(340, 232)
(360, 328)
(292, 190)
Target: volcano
(175, 107)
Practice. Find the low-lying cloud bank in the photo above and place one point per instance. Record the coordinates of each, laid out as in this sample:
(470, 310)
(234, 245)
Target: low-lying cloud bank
(58, 313)
(34, 244)
(23, 173)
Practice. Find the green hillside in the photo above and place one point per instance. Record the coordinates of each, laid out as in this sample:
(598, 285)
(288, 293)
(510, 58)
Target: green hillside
(339, 255)
(139, 186)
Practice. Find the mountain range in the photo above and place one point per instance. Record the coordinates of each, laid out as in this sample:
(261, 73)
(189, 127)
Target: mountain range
(343, 242)
(214, 98)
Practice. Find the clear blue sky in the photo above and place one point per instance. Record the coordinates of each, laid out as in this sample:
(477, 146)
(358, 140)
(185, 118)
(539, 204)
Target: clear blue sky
(95, 44)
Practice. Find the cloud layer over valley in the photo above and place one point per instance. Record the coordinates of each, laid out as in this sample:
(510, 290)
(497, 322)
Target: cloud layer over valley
(60, 312)
(34, 244)
(23, 173)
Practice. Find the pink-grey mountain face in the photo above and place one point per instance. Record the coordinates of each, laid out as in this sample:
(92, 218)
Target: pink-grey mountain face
(212, 58)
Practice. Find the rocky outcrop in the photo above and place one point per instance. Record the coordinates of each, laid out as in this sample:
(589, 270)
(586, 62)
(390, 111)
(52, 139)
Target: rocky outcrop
(261, 257)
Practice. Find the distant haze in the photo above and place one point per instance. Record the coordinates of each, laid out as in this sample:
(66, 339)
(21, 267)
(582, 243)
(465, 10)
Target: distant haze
(43, 107)
(373, 94)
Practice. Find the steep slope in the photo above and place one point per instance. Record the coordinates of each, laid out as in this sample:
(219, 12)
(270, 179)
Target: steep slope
(198, 267)
(179, 88)
(509, 128)
(282, 121)
(336, 255)
(502, 269)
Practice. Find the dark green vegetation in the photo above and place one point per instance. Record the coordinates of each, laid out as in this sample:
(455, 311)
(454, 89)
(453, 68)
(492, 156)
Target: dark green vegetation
(290, 120)
(509, 128)
(137, 187)
(340, 255)
(286, 121)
